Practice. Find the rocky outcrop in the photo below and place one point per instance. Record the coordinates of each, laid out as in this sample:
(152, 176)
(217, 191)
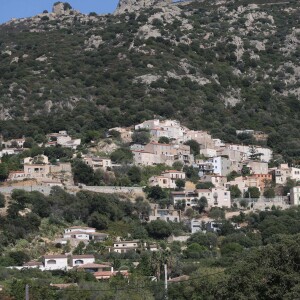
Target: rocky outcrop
(60, 8)
(127, 6)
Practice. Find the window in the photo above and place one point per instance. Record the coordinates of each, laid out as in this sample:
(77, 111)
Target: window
(51, 262)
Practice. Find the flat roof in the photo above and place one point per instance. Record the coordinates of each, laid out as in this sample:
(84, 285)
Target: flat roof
(82, 256)
(55, 256)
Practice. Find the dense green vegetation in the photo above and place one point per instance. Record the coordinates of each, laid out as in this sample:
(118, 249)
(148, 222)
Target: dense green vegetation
(262, 257)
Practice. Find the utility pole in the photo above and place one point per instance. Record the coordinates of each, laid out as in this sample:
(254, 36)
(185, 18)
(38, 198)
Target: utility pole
(27, 292)
(166, 281)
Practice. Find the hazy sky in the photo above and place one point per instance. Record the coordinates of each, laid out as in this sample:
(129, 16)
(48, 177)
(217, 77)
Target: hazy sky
(27, 8)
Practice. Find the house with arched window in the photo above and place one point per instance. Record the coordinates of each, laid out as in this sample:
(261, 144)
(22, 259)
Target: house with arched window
(77, 260)
(55, 262)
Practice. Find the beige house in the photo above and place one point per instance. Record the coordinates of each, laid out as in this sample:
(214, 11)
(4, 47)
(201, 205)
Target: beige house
(103, 163)
(232, 154)
(157, 153)
(265, 153)
(283, 172)
(167, 128)
(258, 167)
(37, 167)
(61, 167)
(144, 158)
(202, 137)
(243, 183)
(168, 214)
(167, 180)
(208, 152)
(216, 180)
(216, 197)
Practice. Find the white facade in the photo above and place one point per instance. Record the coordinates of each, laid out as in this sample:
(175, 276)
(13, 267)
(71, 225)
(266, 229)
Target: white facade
(7, 151)
(208, 152)
(79, 235)
(221, 165)
(80, 228)
(266, 153)
(216, 197)
(295, 195)
(125, 246)
(62, 138)
(77, 260)
(79, 232)
(167, 128)
(55, 262)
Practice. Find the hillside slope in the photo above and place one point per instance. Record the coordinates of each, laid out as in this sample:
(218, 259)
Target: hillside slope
(213, 66)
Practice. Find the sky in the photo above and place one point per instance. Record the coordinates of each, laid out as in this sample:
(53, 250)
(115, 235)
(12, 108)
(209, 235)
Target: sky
(27, 8)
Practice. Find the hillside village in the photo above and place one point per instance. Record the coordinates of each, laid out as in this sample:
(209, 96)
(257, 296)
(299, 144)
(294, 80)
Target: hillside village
(190, 158)
(191, 179)
(152, 153)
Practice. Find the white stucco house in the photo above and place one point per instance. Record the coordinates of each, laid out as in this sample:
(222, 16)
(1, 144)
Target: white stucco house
(55, 262)
(77, 260)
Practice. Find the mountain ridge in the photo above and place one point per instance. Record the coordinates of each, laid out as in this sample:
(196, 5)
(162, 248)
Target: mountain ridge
(214, 66)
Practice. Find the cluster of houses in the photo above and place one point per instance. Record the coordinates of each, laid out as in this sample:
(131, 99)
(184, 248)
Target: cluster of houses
(85, 263)
(214, 163)
(40, 169)
(214, 150)
(76, 234)
(63, 139)
(53, 139)
(11, 147)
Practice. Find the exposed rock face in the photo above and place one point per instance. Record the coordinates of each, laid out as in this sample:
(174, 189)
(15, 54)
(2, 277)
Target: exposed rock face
(126, 6)
(60, 9)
